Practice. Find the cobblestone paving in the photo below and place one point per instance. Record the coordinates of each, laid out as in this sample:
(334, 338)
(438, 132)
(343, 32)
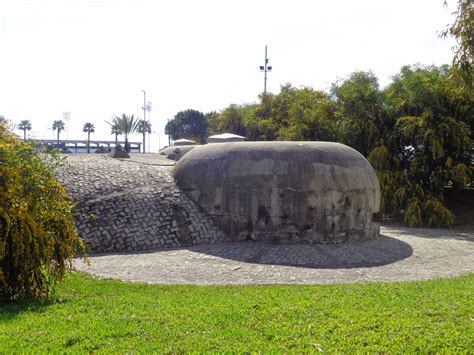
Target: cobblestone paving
(133, 205)
(400, 254)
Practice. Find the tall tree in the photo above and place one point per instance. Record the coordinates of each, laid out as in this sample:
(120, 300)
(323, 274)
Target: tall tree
(260, 123)
(88, 128)
(115, 130)
(189, 124)
(127, 124)
(58, 125)
(360, 111)
(144, 127)
(24, 126)
(231, 120)
(305, 114)
(212, 118)
(462, 30)
(428, 149)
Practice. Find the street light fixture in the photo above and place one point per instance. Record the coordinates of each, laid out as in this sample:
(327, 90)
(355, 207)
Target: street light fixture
(265, 68)
(146, 107)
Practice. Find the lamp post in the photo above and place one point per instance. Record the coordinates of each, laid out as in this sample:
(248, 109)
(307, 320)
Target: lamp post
(265, 68)
(146, 107)
(144, 114)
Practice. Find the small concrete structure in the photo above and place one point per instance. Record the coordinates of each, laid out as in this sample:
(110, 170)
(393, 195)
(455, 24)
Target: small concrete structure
(226, 137)
(180, 142)
(315, 192)
(176, 152)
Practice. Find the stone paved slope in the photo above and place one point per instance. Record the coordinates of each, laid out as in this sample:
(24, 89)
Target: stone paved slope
(127, 206)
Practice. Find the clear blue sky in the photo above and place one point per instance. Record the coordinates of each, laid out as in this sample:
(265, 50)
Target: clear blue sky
(93, 58)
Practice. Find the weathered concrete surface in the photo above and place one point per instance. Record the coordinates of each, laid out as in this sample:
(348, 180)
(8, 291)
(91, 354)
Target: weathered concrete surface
(400, 254)
(314, 192)
(177, 152)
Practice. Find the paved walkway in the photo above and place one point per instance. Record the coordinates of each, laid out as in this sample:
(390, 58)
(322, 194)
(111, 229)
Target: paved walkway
(400, 254)
(150, 159)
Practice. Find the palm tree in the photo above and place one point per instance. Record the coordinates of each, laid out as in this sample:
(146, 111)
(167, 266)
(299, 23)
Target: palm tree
(88, 128)
(144, 127)
(24, 126)
(127, 125)
(115, 129)
(58, 125)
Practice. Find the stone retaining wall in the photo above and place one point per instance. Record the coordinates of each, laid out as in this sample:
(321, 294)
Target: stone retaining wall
(125, 206)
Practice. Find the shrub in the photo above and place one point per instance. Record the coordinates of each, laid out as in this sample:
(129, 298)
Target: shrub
(427, 149)
(37, 233)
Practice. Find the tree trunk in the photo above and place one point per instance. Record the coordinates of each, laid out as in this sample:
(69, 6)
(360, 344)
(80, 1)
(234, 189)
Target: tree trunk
(144, 133)
(57, 141)
(88, 142)
(116, 140)
(24, 134)
(127, 148)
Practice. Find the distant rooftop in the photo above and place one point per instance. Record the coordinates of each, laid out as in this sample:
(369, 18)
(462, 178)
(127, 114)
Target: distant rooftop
(183, 141)
(226, 137)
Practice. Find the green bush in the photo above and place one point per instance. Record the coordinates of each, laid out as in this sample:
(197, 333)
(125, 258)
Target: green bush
(37, 233)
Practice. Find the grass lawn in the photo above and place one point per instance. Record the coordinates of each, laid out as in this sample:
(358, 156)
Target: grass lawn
(88, 314)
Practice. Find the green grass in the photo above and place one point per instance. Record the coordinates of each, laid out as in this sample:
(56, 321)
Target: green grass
(88, 314)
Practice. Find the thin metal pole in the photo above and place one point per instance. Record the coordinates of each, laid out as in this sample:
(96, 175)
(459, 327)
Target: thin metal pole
(144, 118)
(265, 80)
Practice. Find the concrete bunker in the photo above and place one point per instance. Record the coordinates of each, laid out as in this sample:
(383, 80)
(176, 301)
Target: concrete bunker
(176, 152)
(314, 192)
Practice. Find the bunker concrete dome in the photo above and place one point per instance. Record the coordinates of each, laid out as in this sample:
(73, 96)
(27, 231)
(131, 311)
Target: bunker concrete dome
(176, 152)
(315, 192)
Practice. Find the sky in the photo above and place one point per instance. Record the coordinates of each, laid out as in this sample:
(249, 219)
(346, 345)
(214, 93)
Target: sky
(94, 58)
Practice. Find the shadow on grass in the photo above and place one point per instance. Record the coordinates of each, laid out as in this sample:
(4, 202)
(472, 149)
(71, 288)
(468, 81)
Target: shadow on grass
(9, 309)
